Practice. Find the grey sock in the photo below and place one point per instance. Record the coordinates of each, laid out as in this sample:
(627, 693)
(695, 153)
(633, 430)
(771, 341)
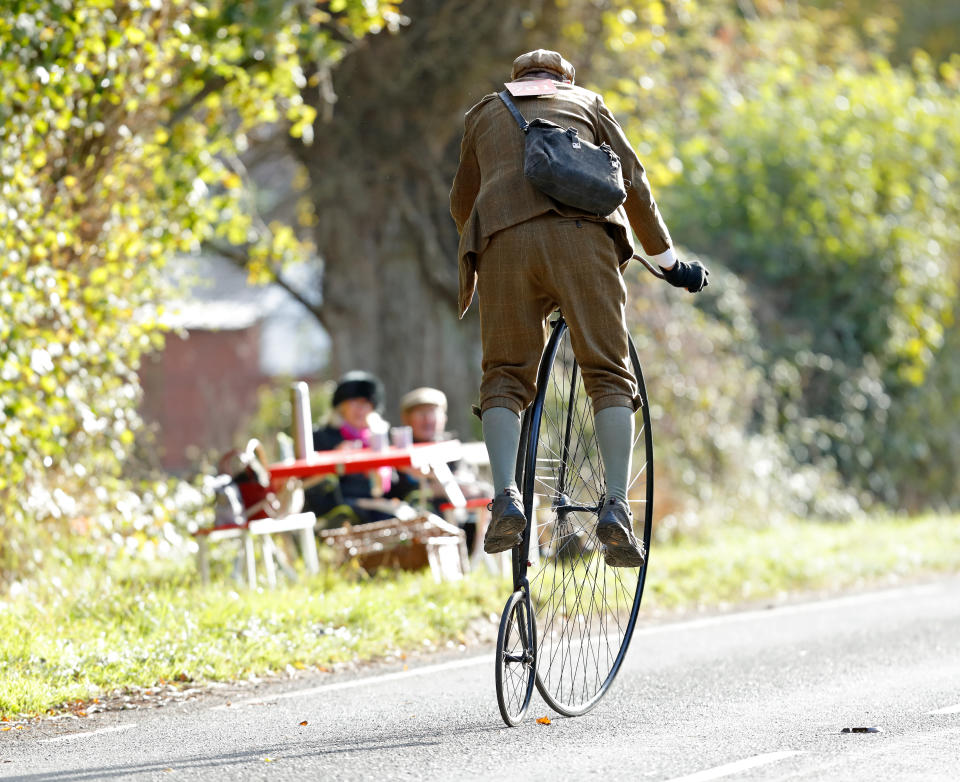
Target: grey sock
(614, 427)
(501, 433)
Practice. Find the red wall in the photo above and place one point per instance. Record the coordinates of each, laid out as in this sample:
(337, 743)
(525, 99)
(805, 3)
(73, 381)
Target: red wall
(199, 391)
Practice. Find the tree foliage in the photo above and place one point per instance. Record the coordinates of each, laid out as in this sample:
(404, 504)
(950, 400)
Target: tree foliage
(786, 145)
(808, 148)
(121, 126)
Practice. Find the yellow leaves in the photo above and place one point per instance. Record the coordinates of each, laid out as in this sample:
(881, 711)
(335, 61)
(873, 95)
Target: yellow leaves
(304, 723)
(95, 46)
(83, 201)
(306, 213)
(231, 181)
(237, 228)
(99, 276)
(302, 117)
(135, 35)
(543, 721)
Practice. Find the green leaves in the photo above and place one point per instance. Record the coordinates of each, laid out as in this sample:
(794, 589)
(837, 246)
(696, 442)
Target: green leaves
(118, 128)
(787, 146)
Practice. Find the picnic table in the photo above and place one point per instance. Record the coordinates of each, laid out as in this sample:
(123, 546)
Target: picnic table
(426, 457)
(285, 477)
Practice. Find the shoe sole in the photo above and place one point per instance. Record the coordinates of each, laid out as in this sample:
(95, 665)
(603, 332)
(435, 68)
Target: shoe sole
(509, 533)
(619, 550)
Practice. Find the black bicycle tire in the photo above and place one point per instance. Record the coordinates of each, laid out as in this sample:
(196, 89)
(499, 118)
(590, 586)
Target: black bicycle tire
(509, 717)
(529, 453)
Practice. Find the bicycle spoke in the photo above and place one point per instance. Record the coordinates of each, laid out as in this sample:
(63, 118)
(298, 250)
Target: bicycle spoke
(584, 610)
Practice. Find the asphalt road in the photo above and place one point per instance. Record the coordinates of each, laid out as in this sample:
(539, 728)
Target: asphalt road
(758, 695)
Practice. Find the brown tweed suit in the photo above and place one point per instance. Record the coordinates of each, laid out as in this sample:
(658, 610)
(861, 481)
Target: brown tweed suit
(532, 254)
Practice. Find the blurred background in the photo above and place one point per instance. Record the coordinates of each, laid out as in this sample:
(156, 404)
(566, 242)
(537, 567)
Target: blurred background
(201, 202)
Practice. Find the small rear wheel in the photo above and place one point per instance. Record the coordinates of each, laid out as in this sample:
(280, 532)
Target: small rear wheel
(516, 658)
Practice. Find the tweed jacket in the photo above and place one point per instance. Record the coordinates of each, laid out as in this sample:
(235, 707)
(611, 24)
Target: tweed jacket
(490, 192)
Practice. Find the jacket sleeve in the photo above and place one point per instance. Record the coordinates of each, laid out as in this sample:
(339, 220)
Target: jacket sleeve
(466, 184)
(642, 211)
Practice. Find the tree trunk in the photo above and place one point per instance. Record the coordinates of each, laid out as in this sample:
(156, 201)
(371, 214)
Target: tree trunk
(380, 175)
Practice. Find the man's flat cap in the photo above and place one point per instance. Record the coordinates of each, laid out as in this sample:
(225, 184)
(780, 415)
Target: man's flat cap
(423, 396)
(542, 60)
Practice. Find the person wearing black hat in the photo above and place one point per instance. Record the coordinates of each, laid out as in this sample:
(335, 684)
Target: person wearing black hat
(357, 402)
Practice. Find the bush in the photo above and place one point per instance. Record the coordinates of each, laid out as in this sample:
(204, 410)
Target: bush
(715, 400)
(835, 204)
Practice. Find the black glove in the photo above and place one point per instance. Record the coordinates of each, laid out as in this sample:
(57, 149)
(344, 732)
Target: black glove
(692, 276)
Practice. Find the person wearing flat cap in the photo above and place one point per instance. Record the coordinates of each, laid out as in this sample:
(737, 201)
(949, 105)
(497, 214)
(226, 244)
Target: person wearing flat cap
(525, 255)
(424, 410)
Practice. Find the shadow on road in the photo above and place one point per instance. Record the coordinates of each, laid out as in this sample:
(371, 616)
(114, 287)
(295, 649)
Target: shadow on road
(294, 750)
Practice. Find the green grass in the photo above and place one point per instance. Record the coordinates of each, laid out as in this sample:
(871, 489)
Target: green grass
(95, 632)
(736, 565)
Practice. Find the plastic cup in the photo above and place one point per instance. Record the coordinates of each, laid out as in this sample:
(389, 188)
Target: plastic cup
(401, 437)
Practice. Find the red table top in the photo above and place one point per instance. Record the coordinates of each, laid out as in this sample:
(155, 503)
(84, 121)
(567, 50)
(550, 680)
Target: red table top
(346, 462)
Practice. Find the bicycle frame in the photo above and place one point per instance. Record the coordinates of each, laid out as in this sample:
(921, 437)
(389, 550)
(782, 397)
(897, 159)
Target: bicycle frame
(521, 553)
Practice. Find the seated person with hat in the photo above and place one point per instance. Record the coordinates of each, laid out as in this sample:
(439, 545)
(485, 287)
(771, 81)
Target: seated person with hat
(424, 410)
(357, 401)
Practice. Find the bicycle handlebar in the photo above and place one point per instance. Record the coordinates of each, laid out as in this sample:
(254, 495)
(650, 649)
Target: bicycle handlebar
(650, 268)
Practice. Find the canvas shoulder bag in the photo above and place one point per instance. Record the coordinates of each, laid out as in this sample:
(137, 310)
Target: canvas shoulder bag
(567, 168)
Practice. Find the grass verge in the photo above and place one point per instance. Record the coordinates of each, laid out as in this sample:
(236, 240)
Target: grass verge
(92, 632)
(735, 565)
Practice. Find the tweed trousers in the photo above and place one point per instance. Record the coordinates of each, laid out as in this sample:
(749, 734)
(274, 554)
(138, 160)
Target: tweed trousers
(524, 274)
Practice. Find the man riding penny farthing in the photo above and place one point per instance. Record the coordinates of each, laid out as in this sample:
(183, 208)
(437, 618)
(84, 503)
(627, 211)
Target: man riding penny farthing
(529, 254)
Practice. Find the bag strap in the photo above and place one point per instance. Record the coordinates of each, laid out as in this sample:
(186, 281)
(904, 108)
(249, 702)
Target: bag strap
(505, 97)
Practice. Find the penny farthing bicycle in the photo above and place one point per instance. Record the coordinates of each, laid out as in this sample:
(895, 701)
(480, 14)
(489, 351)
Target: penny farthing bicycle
(567, 626)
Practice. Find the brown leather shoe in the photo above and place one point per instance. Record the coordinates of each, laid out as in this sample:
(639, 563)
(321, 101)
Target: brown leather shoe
(615, 530)
(506, 522)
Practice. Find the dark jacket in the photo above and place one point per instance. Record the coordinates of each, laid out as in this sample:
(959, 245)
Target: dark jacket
(353, 486)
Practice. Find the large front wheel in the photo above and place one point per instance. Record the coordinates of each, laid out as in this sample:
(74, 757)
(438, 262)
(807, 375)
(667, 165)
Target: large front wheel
(585, 611)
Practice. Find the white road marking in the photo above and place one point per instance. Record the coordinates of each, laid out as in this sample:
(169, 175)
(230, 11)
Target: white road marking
(69, 736)
(742, 616)
(955, 709)
(793, 608)
(365, 681)
(737, 766)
